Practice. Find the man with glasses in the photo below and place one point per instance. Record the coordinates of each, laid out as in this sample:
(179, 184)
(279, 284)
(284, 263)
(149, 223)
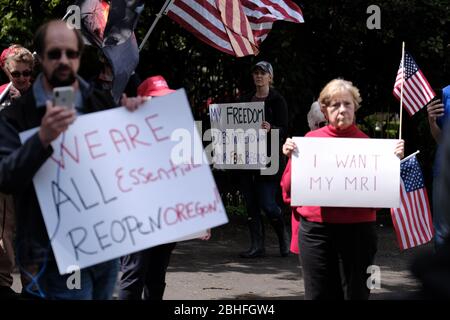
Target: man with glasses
(58, 48)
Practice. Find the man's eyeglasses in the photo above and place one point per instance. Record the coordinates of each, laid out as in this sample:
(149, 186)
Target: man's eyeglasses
(17, 74)
(55, 54)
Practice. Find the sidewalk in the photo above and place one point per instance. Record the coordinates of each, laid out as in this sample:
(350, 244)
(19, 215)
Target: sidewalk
(206, 270)
(213, 269)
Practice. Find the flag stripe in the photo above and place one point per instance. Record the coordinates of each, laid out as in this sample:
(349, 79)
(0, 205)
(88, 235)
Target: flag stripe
(233, 26)
(417, 92)
(203, 15)
(416, 212)
(412, 220)
(429, 90)
(409, 212)
(400, 235)
(275, 10)
(404, 217)
(423, 209)
(203, 22)
(405, 228)
(406, 101)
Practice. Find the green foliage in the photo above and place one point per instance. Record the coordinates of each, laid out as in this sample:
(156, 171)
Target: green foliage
(333, 42)
(21, 18)
(236, 210)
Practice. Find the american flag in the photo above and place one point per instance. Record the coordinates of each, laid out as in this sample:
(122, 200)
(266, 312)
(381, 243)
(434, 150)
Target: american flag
(417, 92)
(263, 13)
(412, 221)
(235, 27)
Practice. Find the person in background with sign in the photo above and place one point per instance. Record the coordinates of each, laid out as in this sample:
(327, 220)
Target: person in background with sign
(260, 191)
(438, 114)
(144, 272)
(336, 245)
(58, 48)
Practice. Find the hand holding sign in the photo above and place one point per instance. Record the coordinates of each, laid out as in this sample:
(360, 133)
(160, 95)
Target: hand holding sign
(132, 103)
(266, 125)
(400, 149)
(117, 189)
(289, 147)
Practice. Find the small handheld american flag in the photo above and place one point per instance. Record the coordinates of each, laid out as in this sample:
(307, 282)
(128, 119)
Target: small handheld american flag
(417, 92)
(412, 221)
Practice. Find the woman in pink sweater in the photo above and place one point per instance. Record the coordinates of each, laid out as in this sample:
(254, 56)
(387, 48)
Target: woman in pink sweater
(336, 245)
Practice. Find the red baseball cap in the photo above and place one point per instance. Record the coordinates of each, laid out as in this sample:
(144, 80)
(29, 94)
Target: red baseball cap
(5, 54)
(154, 86)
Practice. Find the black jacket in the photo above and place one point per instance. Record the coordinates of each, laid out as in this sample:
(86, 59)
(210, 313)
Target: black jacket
(19, 163)
(276, 113)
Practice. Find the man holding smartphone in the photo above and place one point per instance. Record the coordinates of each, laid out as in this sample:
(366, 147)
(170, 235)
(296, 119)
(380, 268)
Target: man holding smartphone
(59, 49)
(438, 114)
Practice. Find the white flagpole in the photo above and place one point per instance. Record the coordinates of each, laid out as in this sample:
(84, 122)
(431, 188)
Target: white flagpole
(66, 15)
(158, 16)
(5, 92)
(410, 156)
(401, 91)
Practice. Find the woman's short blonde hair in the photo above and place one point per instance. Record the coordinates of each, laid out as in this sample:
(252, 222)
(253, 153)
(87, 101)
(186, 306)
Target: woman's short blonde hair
(19, 54)
(336, 86)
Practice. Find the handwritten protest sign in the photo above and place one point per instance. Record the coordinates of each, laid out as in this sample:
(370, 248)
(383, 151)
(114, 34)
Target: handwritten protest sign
(112, 188)
(338, 172)
(239, 141)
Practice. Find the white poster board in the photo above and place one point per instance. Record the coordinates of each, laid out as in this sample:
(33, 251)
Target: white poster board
(238, 139)
(344, 172)
(117, 188)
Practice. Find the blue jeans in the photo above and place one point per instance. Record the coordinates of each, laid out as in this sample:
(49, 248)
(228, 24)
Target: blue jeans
(96, 282)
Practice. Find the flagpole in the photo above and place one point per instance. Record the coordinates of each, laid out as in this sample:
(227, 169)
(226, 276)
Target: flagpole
(158, 16)
(410, 156)
(5, 92)
(401, 90)
(66, 15)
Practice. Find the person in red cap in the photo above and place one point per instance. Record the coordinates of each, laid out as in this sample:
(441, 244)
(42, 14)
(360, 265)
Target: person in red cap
(154, 87)
(3, 57)
(144, 272)
(13, 59)
(17, 63)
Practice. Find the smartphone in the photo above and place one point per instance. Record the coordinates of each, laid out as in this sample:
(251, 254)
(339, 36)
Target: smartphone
(64, 97)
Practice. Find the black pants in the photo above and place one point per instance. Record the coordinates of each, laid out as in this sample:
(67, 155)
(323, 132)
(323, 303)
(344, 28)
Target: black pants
(144, 273)
(260, 194)
(335, 258)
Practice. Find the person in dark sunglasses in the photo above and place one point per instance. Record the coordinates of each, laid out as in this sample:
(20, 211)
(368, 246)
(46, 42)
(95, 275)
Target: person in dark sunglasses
(58, 49)
(18, 66)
